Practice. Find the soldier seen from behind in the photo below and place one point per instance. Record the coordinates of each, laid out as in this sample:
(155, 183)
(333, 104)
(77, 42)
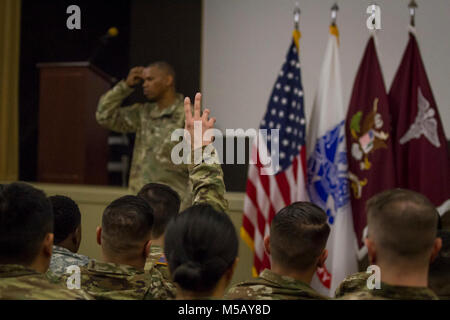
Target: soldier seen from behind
(67, 235)
(296, 245)
(201, 247)
(26, 241)
(402, 241)
(153, 122)
(165, 203)
(125, 240)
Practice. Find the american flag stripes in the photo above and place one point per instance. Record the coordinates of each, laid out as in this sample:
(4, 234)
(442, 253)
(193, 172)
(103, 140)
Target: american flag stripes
(267, 194)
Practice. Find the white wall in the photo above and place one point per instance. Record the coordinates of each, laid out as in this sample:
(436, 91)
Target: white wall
(245, 42)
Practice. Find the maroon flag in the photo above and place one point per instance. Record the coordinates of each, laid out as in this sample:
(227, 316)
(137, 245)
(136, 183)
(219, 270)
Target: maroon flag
(369, 142)
(420, 146)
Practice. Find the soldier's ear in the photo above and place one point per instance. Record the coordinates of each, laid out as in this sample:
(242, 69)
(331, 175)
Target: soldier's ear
(169, 80)
(322, 258)
(99, 235)
(371, 250)
(437, 246)
(47, 244)
(147, 247)
(267, 244)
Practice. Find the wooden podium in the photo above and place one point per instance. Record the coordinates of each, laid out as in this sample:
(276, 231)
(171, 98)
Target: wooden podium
(72, 145)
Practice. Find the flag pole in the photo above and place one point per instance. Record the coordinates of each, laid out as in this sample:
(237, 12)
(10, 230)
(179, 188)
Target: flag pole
(412, 12)
(334, 11)
(297, 13)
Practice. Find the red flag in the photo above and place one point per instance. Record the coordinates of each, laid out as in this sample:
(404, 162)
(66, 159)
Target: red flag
(369, 142)
(420, 146)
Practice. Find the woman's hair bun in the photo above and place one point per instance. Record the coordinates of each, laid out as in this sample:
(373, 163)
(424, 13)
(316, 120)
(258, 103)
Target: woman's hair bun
(188, 274)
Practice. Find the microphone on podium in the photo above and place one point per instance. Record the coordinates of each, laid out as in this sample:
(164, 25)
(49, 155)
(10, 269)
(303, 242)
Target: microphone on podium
(111, 33)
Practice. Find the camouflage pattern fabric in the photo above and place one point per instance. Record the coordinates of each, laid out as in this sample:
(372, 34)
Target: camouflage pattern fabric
(390, 292)
(20, 283)
(207, 181)
(353, 283)
(271, 286)
(63, 258)
(440, 286)
(156, 259)
(110, 281)
(153, 146)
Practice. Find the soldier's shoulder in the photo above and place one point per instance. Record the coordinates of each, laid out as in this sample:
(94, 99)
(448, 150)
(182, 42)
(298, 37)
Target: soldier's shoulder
(361, 295)
(159, 286)
(255, 289)
(37, 287)
(352, 283)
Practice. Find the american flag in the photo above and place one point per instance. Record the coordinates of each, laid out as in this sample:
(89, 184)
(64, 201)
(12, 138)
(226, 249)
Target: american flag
(267, 194)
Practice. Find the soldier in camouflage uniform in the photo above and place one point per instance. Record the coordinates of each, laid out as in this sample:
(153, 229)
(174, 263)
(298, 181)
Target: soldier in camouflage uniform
(111, 281)
(153, 124)
(26, 239)
(63, 258)
(67, 235)
(298, 236)
(401, 240)
(125, 240)
(18, 282)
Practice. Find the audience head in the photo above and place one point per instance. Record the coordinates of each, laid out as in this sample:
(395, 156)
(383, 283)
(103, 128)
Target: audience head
(402, 229)
(201, 247)
(67, 225)
(26, 227)
(159, 79)
(298, 237)
(126, 231)
(165, 203)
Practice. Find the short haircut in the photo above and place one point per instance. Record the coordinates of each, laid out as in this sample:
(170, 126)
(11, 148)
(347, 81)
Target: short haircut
(26, 217)
(126, 223)
(200, 246)
(67, 217)
(402, 223)
(165, 203)
(164, 66)
(298, 235)
(439, 273)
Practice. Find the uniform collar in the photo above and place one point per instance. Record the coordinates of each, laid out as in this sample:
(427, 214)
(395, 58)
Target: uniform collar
(157, 113)
(283, 281)
(403, 292)
(62, 250)
(112, 268)
(15, 270)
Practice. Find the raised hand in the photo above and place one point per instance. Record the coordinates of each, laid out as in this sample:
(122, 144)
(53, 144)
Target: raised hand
(199, 118)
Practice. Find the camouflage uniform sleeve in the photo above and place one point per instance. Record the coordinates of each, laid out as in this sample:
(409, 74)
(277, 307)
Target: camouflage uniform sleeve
(160, 288)
(207, 181)
(112, 116)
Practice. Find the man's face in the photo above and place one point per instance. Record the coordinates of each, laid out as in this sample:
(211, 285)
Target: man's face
(156, 82)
